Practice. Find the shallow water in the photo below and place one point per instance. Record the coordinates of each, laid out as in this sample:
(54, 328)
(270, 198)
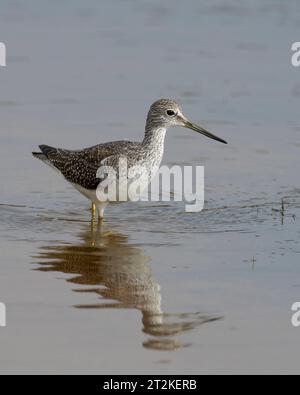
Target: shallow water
(152, 290)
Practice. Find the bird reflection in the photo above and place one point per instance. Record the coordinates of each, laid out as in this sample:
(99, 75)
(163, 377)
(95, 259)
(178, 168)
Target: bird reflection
(119, 273)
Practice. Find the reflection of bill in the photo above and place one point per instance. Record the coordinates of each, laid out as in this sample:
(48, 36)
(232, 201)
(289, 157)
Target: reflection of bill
(121, 277)
(123, 183)
(2, 55)
(2, 315)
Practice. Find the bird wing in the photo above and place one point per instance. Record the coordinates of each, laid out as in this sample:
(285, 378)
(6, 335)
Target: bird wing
(80, 167)
(82, 173)
(73, 165)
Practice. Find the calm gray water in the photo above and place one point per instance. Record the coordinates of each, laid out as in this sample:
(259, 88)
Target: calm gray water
(152, 290)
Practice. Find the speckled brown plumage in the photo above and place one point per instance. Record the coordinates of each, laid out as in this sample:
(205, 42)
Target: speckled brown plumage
(80, 167)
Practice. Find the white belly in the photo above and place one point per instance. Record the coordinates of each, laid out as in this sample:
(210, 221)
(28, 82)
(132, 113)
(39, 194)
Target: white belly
(88, 193)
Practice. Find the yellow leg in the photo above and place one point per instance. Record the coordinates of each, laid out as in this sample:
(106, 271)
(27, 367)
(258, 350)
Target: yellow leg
(100, 215)
(93, 210)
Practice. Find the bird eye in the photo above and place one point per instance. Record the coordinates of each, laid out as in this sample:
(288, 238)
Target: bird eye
(171, 113)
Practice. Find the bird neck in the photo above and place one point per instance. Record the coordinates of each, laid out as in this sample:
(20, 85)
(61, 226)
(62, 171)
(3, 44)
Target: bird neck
(154, 138)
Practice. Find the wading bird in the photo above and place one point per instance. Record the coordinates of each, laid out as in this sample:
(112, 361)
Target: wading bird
(80, 168)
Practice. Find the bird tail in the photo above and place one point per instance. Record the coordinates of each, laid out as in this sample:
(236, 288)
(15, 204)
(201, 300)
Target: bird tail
(45, 155)
(47, 150)
(40, 156)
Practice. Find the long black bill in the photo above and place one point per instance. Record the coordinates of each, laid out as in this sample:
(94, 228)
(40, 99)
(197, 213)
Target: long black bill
(203, 131)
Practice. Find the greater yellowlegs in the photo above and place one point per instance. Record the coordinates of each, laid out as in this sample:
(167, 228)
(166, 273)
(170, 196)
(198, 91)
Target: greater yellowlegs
(80, 168)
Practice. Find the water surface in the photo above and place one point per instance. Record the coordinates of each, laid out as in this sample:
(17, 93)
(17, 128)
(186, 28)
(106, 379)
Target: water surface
(153, 289)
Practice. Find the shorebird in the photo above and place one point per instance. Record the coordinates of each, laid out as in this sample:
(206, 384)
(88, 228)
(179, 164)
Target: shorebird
(80, 168)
